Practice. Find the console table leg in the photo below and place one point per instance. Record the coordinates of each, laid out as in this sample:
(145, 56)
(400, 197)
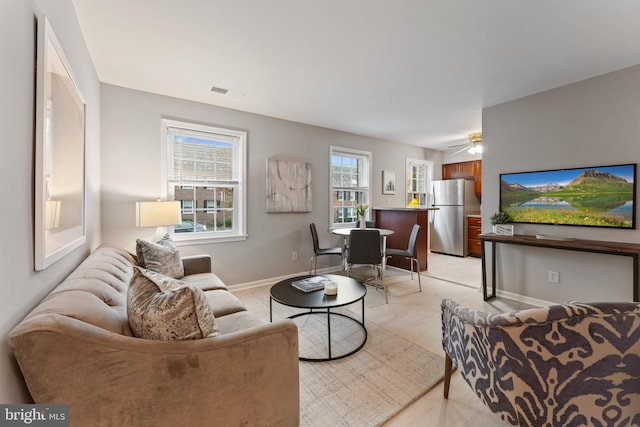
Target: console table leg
(329, 330)
(484, 269)
(483, 256)
(494, 271)
(636, 273)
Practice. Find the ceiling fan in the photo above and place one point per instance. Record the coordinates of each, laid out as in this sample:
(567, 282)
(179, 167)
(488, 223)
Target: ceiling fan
(474, 146)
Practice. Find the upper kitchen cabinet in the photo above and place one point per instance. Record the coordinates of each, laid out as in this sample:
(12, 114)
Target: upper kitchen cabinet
(477, 174)
(457, 170)
(467, 170)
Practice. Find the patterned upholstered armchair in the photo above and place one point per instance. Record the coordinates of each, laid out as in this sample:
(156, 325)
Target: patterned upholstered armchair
(573, 364)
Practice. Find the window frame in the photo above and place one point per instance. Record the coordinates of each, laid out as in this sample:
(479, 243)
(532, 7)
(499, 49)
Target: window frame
(238, 184)
(187, 208)
(366, 173)
(428, 179)
(210, 209)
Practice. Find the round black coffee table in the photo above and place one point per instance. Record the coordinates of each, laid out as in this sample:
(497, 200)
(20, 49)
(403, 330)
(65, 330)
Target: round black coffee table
(349, 292)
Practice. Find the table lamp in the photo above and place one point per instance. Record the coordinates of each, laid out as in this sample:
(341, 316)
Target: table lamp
(158, 214)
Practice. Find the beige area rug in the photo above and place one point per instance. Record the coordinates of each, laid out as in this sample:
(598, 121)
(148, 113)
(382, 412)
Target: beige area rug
(364, 389)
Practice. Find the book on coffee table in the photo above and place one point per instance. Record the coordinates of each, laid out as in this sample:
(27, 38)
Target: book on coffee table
(309, 284)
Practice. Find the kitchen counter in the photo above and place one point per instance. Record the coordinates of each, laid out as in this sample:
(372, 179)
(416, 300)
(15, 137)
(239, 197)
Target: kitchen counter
(401, 221)
(406, 208)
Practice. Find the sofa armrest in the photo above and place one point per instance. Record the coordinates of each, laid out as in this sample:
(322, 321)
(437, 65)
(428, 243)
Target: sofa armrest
(249, 377)
(195, 264)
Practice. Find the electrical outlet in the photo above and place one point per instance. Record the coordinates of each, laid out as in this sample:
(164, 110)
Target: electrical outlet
(294, 256)
(554, 277)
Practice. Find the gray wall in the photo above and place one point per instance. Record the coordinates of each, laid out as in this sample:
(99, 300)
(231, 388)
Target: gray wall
(589, 123)
(22, 288)
(131, 149)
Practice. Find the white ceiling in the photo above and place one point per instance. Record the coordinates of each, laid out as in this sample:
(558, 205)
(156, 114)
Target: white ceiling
(414, 71)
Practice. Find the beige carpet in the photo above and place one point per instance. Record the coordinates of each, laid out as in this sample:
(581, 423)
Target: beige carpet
(364, 389)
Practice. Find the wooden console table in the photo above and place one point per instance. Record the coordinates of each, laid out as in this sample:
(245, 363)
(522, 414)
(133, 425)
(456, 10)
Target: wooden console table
(596, 246)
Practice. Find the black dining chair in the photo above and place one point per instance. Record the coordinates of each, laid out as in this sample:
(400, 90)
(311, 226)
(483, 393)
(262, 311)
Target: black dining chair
(317, 250)
(365, 248)
(410, 253)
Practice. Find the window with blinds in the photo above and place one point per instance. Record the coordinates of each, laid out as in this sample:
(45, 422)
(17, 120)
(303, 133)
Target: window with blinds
(205, 171)
(350, 177)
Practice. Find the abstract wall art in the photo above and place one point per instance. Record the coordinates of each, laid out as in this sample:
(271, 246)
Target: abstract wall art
(288, 185)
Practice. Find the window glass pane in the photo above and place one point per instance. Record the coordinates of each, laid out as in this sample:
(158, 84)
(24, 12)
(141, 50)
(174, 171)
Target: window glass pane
(345, 209)
(205, 208)
(187, 206)
(347, 171)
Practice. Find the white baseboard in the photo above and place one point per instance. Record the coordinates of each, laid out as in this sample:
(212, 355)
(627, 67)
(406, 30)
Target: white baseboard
(502, 294)
(523, 298)
(274, 280)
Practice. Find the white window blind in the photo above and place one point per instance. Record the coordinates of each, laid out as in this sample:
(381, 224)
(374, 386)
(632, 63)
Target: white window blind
(204, 157)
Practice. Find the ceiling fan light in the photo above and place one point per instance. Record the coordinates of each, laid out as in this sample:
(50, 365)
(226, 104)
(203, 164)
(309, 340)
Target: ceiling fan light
(478, 148)
(472, 150)
(475, 138)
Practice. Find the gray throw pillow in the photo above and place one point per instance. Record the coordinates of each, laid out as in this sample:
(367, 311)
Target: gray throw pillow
(162, 308)
(162, 257)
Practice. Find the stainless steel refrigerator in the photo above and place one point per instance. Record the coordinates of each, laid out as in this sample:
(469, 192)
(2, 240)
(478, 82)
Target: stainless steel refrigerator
(455, 199)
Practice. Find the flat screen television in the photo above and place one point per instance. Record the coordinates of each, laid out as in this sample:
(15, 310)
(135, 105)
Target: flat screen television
(599, 196)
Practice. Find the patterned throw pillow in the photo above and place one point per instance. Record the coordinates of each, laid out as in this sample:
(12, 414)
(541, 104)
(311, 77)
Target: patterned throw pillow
(162, 308)
(162, 257)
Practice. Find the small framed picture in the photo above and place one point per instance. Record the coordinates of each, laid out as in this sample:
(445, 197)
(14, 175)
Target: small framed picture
(388, 182)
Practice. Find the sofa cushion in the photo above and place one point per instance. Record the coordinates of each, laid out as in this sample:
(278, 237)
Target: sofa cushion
(162, 257)
(205, 281)
(223, 302)
(237, 322)
(162, 308)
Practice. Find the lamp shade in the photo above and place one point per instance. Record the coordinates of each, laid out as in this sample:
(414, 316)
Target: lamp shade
(158, 213)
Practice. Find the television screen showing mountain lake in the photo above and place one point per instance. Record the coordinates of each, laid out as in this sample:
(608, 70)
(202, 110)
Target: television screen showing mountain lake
(601, 196)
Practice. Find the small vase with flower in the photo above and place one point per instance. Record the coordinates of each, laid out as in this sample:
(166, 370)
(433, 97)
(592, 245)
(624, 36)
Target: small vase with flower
(361, 209)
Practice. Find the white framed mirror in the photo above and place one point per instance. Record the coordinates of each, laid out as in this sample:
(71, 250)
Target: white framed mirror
(60, 154)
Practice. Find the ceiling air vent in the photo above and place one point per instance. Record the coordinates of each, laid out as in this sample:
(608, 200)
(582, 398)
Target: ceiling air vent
(219, 90)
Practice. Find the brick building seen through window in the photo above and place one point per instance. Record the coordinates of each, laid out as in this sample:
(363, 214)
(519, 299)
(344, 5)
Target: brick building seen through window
(205, 208)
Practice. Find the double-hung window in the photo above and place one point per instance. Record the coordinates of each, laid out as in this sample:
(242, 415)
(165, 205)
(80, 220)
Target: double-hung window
(419, 176)
(205, 171)
(350, 174)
